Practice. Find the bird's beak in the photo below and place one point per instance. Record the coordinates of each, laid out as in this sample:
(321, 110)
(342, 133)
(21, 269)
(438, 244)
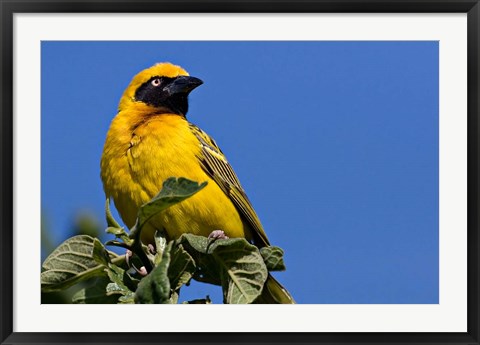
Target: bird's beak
(182, 84)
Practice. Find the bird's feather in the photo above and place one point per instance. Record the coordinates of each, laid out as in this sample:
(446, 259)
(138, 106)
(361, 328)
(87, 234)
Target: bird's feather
(215, 164)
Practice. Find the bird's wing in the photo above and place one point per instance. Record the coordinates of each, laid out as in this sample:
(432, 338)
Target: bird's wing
(217, 167)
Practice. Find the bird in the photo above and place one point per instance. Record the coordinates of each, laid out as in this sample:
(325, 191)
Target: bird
(151, 140)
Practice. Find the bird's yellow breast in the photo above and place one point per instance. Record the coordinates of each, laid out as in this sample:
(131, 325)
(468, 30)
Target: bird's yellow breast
(140, 153)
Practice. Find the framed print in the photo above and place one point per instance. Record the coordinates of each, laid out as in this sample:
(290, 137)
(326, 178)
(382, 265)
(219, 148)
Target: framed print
(352, 126)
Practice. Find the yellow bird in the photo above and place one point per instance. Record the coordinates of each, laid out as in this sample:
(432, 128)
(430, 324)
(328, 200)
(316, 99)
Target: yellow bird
(150, 140)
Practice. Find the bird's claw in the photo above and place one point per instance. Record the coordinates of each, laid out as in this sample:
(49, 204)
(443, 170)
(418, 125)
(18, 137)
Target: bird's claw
(218, 235)
(142, 271)
(128, 255)
(151, 249)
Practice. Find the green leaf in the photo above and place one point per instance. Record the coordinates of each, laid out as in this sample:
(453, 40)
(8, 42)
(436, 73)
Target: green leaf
(160, 245)
(113, 227)
(118, 232)
(121, 278)
(207, 267)
(77, 259)
(181, 268)
(174, 190)
(95, 293)
(111, 222)
(99, 253)
(128, 299)
(155, 287)
(233, 263)
(126, 296)
(70, 263)
(273, 258)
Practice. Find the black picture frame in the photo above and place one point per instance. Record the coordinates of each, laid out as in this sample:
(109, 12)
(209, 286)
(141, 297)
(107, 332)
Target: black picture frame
(9, 7)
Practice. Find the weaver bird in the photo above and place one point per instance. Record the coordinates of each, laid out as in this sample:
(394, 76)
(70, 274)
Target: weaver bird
(150, 140)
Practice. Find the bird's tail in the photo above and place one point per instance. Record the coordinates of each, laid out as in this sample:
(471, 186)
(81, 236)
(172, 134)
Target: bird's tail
(274, 293)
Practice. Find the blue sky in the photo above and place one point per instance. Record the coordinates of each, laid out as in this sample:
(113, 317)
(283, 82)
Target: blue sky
(335, 143)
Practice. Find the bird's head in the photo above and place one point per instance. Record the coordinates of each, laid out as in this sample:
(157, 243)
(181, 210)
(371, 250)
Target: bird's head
(164, 87)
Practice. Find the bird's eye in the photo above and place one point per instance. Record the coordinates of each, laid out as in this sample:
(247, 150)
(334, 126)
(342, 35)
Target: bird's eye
(156, 82)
